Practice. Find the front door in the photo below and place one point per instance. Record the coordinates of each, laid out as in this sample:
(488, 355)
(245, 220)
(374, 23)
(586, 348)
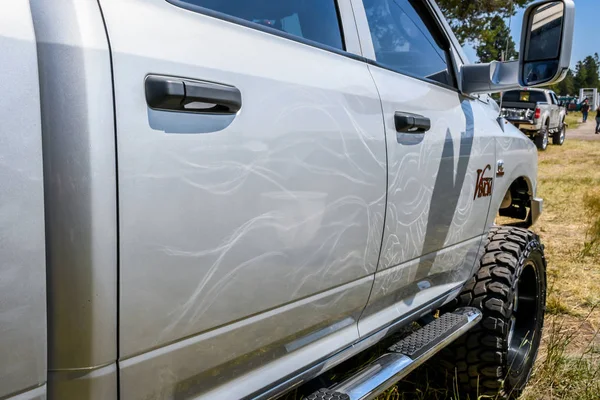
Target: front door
(251, 166)
(441, 168)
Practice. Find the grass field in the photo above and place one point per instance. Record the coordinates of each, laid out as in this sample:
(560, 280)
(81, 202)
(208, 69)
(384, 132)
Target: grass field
(573, 119)
(568, 366)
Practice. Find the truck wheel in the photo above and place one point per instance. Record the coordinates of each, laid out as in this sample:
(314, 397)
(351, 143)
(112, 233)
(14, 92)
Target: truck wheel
(496, 357)
(541, 140)
(559, 137)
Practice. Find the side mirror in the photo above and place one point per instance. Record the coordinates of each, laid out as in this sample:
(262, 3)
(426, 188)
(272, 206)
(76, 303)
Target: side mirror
(546, 43)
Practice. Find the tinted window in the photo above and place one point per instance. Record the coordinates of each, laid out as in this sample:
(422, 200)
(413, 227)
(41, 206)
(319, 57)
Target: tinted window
(524, 96)
(316, 20)
(403, 39)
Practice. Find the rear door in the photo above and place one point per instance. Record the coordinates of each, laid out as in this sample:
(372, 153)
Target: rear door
(440, 169)
(23, 344)
(251, 161)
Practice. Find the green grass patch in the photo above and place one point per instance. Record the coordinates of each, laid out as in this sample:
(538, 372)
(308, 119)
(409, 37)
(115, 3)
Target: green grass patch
(574, 119)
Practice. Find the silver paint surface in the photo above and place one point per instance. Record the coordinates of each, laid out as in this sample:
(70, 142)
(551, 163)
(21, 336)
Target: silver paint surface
(240, 235)
(39, 393)
(431, 206)
(84, 384)
(432, 177)
(254, 350)
(22, 250)
(520, 157)
(80, 187)
(399, 290)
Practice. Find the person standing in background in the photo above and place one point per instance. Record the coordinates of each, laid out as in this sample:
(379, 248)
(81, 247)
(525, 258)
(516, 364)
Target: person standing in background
(598, 120)
(585, 108)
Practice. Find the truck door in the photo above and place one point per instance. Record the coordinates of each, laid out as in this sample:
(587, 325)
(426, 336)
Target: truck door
(23, 344)
(251, 167)
(441, 162)
(555, 121)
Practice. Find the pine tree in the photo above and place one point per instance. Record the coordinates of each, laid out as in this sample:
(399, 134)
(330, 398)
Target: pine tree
(592, 67)
(494, 41)
(581, 75)
(469, 17)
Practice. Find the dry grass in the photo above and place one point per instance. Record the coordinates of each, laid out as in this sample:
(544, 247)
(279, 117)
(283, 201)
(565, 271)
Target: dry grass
(568, 366)
(591, 203)
(568, 176)
(573, 119)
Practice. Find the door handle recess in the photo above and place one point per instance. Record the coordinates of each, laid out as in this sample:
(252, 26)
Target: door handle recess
(411, 123)
(186, 95)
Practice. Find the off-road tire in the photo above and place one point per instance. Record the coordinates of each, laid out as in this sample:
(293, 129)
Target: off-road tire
(483, 361)
(558, 138)
(541, 139)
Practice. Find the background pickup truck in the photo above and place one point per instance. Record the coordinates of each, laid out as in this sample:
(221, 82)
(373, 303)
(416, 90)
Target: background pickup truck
(536, 113)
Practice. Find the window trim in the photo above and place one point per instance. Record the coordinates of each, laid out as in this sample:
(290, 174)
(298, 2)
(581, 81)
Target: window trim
(272, 31)
(439, 34)
(410, 75)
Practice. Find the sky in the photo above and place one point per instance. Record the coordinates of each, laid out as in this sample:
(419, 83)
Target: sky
(587, 31)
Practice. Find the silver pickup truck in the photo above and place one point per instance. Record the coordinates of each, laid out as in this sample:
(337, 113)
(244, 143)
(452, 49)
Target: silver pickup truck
(537, 113)
(207, 199)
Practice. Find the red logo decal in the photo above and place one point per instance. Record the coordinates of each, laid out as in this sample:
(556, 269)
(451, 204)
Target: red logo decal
(483, 186)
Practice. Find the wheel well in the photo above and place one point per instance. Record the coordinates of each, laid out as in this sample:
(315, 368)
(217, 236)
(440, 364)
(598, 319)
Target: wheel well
(516, 204)
(546, 124)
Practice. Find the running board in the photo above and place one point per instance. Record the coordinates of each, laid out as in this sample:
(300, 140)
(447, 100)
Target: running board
(403, 357)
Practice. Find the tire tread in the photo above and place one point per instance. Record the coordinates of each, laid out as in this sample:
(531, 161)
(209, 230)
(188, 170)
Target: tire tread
(479, 357)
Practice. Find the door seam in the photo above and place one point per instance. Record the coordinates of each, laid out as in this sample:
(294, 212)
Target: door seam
(387, 177)
(117, 216)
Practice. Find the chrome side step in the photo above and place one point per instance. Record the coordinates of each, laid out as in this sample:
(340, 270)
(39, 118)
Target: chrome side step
(403, 357)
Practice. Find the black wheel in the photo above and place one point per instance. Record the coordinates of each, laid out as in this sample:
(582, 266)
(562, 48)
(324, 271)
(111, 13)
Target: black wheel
(541, 140)
(558, 138)
(496, 357)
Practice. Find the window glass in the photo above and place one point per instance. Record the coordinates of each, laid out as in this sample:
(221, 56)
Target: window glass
(516, 96)
(316, 20)
(402, 36)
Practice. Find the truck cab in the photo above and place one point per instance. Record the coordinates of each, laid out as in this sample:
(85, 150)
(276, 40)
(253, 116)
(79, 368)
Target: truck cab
(224, 200)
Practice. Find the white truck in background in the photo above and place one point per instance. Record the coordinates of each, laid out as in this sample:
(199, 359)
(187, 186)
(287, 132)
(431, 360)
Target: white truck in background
(537, 113)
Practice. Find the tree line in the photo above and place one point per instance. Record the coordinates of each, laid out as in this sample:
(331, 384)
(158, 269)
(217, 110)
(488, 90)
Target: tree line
(586, 75)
